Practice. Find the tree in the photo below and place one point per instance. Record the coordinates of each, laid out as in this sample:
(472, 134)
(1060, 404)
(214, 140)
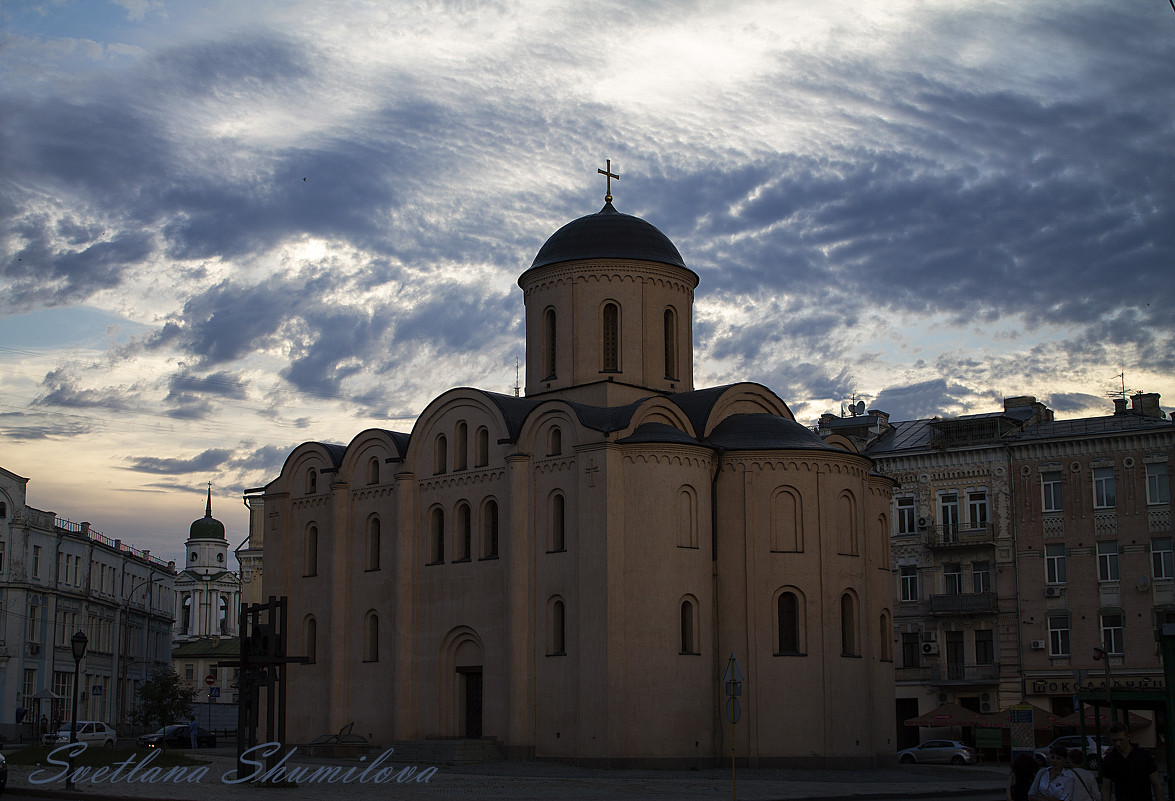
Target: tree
(163, 699)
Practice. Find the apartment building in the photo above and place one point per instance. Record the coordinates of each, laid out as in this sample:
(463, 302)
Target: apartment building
(58, 577)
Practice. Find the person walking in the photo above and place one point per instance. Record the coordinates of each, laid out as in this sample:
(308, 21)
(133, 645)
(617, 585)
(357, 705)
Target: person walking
(1020, 782)
(1055, 782)
(1084, 781)
(1128, 770)
(192, 728)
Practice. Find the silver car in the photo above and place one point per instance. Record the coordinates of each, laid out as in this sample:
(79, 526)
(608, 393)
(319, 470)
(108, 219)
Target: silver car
(950, 752)
(94, 732)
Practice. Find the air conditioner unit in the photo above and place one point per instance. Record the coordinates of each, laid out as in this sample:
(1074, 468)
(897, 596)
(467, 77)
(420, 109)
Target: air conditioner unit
(922, 522)
(929, 636)
(1053, 592)
(1037, 645)
(986, 707)
(929, 648)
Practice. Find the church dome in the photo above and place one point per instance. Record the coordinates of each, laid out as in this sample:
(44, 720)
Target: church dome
(608, 234)
(207, 527)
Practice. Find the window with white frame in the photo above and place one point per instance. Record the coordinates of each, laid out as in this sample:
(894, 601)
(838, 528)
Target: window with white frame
(981, 576)
(1104, 495)
(1058, 635)
(1051, 492)
(977, 508)
(1107, 561)
(905, 519)
(1054, 563)
(952, 578)
(909, 581)
(1161, 558)
(949, 516)
(1112, 639)
(1158, 490)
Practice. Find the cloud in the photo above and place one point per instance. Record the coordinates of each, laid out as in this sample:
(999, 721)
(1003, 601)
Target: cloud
(924, 399)
(204, 462)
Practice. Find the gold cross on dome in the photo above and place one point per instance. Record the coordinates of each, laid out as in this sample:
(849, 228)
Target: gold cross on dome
(609, 175)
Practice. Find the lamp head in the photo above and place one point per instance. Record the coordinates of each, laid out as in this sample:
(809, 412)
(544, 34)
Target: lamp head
(79, 642)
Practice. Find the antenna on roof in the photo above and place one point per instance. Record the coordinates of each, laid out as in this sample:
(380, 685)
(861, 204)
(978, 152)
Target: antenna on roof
(516, 387)
(855, 407)
(1123, 392)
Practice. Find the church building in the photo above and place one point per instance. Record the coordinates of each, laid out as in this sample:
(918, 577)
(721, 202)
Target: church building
(570, 572)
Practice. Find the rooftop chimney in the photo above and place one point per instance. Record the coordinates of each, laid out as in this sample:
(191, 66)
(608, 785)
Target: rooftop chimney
(1120, 406)
(1146, 404)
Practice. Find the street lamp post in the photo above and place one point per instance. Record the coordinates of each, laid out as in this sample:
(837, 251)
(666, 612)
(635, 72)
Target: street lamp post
(148, 582)
(78, 643)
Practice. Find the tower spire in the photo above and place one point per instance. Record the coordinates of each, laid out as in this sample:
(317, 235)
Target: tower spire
(208, 508)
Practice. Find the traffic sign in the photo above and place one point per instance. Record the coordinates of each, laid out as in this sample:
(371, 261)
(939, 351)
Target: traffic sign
(213, 692)
(96, 690)
(210, 680)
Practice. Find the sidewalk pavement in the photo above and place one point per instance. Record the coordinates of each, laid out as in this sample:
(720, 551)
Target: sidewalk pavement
(517, 781)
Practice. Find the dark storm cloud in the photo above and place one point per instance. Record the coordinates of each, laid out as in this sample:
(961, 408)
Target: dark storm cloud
(204, 462)
(267, 459)
(921, 400)
(222, 384)
(1069, 402)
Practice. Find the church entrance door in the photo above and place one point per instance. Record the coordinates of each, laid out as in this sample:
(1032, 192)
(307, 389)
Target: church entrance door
(471, 679)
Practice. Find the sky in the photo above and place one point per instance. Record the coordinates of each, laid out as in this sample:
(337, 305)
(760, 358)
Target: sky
(227, 228)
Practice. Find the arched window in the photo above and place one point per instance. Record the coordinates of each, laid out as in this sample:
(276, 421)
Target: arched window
(310, 564)
(373, 544)
(670, 343)
(464, 533)
(689, 626)
(787, 520)
(436, 530)
(687, 518)
(489, 530)
(187, 618)
(310, 639)
(554, 441)
(848, 626)
(373, 471)
(222, 618)
(788, 614)
(3, 510)
(482, 454)
(846, 524)
(610, 339)
(548, 345)
(556, 627)
(311, 481)
(440, 454)
(461, 446)
(556, 540)
(371, 637)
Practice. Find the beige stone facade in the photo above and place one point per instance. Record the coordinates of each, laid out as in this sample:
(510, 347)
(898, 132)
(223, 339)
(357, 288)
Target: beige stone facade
(569, 572)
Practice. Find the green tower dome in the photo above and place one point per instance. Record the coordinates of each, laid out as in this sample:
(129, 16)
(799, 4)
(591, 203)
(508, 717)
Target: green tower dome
(207, 527)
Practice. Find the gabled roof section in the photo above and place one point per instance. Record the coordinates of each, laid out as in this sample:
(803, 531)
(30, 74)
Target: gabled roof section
(1086, 426)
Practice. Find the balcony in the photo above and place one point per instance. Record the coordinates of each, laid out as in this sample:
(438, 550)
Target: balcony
(954, 673)
(1105, 524)
(963, 604)
(965, 535)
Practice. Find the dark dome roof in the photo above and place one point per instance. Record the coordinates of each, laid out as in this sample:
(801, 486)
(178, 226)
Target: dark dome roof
(207, 527)
(608, 234)
(762, 432)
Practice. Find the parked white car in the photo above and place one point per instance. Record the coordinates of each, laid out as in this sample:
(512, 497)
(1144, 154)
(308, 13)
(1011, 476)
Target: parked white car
(1094, 750)
(94, 732)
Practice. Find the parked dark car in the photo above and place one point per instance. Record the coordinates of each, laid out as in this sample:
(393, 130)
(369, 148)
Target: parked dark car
(178, 735)
(3, 774)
